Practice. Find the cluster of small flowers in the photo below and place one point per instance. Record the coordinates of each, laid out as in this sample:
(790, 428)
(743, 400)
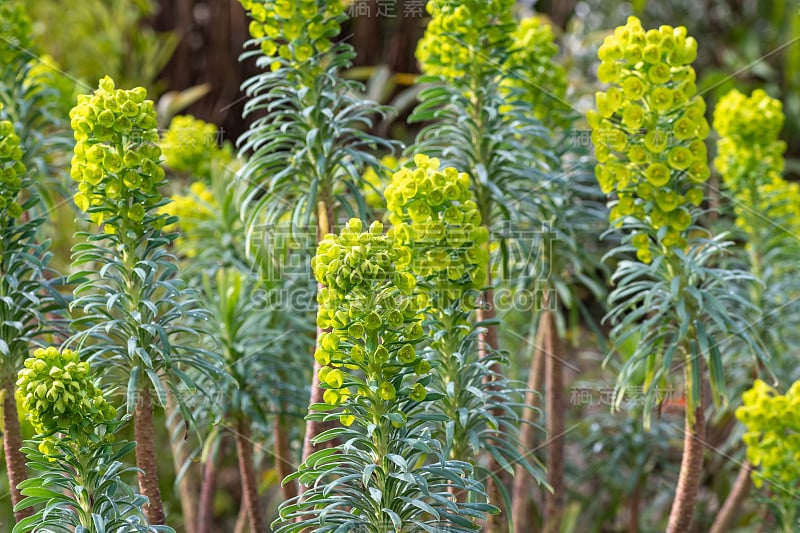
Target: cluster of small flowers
(15, 33)
(59, 394)
(295, 30)
(772, 421)
(189, 145)
(649, 131)
(461, 35)
(435, 218)
(750, 160)
(540, 80)
(117, 155)
(374, 320)
(11, 170)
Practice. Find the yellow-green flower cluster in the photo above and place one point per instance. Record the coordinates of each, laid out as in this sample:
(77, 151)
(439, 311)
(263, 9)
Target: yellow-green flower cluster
(295, 30)
(541, 81)
(57, 391)
(15, 33)
(368, 303)
(649, 131)
(117, 156)
(463, 35)
(189, 145)
(435, 218)
(750, 159)
(772, 421)
(11, 170)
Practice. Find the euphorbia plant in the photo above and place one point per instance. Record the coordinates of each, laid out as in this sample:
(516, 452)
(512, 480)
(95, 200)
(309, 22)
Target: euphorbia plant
(435, 217)
(80, 485)
(648, 133)
(308, 147)
(387, 472)
(482, 123)
(132, 302)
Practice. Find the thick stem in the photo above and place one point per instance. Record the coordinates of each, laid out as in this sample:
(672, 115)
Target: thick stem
(247, 471)
(733, 502)
(520, 496)
(283, 457)
(12, 444)
(188, 488)
(680, 517)
(146, 457)
(205, 517)
(554, 413)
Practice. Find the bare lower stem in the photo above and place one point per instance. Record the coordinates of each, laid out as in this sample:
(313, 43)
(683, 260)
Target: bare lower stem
(146, 457)
(733, 502)
(680, 518)
(520, 496)
(554, 413)
(12, 444)
(244, 449)
(208, 488)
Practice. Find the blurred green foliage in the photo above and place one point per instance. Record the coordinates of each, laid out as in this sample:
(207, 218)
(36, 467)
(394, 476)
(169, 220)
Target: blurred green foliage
(104, 37)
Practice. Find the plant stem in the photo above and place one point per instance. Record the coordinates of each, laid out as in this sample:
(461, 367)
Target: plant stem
(733, 502)
(244, 449)
(680, 517)
(12, 444)
(205, 517)
(146, 457)
(554, 414)
(520, 496)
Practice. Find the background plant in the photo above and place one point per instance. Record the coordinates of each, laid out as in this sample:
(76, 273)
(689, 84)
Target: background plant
(378, 478)
(312, 121)
(767, 209)
(434, 214)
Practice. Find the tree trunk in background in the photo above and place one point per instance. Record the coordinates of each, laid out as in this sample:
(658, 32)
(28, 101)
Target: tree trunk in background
(188, 488)
(554, 414)
(12, 444)
(283, 457)
(520, 495)
(205, 517)
(146, 460)
(247, 471)
(682, 513)
(733, 502)
(212, 34)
